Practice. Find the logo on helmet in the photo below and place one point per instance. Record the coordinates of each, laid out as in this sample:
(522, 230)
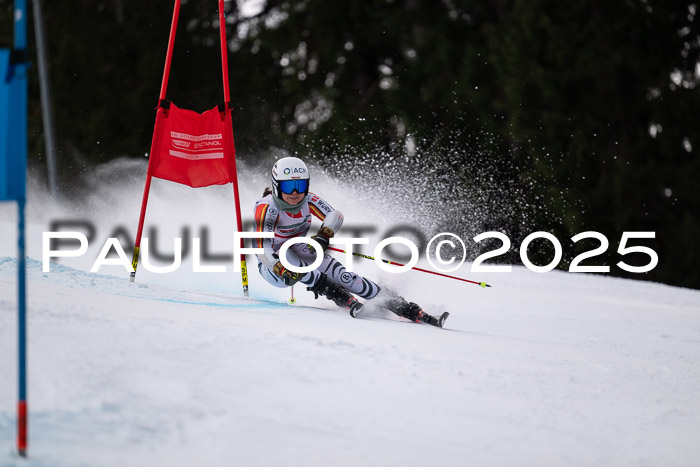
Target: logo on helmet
(294, 170)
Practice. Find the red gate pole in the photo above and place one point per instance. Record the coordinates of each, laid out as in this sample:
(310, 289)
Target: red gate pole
(224, 48)
(229, 123)
(163, 90)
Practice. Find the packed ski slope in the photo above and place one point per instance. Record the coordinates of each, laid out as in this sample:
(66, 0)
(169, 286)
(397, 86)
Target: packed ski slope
(540, 370)
(180, 369)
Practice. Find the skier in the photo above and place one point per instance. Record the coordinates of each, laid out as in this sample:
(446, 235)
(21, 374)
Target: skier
(286, 210)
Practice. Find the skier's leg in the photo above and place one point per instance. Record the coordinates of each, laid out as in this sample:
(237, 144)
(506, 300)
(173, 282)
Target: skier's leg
(409, 310)
(318, 283)
(350, 281)
(336, 273)
(396, 304)
(333, 272)
(336, 293)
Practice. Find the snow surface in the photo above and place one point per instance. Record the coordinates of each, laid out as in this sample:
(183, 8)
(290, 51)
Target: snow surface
(180, 369)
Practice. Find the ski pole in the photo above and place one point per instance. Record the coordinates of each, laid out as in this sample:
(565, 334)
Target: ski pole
(482, 284)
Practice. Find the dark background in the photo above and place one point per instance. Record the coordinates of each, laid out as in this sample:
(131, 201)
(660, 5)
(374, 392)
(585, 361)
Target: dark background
(587, 109)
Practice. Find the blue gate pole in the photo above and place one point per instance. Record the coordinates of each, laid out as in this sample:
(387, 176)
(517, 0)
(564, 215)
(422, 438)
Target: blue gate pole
(20, 46)
(22, 337)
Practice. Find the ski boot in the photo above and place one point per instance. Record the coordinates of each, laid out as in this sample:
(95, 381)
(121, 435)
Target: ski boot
(413, 312)
(337, 294)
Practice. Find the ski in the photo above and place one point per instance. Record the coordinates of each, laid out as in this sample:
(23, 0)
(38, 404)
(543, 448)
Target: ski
(437, 321)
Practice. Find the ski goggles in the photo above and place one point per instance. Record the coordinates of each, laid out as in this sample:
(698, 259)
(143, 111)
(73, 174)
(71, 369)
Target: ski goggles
(288, 186)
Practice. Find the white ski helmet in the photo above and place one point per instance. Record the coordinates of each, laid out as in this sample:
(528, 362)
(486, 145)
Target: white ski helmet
(290, 174)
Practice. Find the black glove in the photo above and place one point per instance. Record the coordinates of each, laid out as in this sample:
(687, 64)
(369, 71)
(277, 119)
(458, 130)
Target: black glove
(290, 278)
(323, 237)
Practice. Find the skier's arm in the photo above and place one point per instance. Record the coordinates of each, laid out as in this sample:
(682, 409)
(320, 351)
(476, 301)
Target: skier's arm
(266, 221)
(332, 220)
